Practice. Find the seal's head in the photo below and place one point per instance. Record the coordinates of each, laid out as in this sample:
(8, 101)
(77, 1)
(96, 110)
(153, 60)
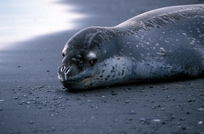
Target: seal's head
(90, 61)
(79, 57)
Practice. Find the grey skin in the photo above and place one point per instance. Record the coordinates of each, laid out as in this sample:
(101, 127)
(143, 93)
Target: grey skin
(162, 44)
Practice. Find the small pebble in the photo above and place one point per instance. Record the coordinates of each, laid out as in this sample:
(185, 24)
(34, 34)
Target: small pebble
(142, 120)
(200, 122)
(127, 101)
(30, 122)
(156, 120)
(132, 112)
(113, 93)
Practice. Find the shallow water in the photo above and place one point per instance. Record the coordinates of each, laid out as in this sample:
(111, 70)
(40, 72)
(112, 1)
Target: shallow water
(23, 19)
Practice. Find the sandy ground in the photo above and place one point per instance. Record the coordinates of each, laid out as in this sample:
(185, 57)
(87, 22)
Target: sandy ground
(32, 100)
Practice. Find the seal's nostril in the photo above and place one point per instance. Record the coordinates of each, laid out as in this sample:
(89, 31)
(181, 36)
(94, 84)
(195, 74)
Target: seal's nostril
(66, 71)
(62, 68)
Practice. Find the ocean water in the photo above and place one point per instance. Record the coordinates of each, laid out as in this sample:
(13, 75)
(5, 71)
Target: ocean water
(24, 19)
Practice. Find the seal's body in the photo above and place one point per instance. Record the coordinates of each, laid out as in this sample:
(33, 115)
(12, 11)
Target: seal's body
(166, 43)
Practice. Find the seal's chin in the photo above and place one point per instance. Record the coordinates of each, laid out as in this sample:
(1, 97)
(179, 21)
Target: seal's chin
(76, 84)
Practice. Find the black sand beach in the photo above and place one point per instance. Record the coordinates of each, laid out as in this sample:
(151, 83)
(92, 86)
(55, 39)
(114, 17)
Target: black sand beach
(32, 100)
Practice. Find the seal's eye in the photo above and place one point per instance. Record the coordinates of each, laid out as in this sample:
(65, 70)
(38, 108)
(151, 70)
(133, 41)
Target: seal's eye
(92, 62)
(92, 58)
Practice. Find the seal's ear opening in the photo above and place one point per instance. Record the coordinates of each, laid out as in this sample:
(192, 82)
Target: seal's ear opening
(92, 58)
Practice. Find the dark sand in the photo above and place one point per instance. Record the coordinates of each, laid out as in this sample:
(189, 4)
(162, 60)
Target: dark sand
(32, 100)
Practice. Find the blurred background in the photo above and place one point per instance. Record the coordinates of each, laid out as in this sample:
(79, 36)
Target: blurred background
(21, 19)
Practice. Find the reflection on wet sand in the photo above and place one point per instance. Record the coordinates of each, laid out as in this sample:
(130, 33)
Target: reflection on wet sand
(21, 19)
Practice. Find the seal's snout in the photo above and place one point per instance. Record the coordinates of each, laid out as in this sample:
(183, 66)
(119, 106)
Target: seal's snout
(64, 70)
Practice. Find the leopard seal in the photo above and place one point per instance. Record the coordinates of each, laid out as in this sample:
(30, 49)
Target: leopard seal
(162, 44)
